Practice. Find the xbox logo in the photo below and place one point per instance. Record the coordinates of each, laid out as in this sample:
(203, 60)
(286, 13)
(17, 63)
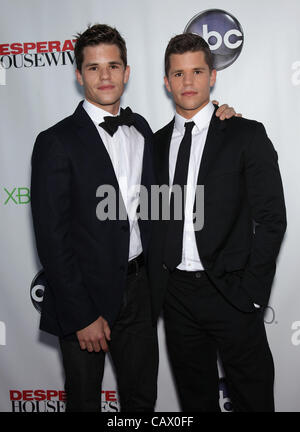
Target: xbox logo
(222, 32)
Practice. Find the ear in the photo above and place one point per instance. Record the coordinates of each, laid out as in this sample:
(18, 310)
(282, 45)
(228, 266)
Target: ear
(167, 84)
(79, 77)
(126, 74)
(213, 77)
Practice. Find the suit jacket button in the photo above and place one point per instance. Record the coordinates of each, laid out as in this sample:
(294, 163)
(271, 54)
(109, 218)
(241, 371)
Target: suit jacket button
(165, 267)
(198, 275)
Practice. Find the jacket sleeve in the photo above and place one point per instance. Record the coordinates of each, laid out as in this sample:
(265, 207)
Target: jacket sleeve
(52, 221)
(265, 194)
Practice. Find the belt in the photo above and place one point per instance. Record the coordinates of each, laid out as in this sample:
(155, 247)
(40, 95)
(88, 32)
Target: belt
(189, 274)
(135, 264)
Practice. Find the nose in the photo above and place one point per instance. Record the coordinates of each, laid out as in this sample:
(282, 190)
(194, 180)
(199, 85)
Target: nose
(105, 73)
(188, 78)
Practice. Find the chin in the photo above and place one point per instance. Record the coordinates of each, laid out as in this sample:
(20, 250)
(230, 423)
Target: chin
(190, 107)
(111, 101)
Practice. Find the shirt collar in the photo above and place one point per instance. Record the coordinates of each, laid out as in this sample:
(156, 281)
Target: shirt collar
(201, 119)
(96, 114)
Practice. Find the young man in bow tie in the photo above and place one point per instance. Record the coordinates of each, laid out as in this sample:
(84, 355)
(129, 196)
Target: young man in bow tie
(97, 299)
(214, 282)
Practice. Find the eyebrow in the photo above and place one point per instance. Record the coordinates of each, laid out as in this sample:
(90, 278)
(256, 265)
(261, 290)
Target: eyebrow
(195, 68)
(114, 62)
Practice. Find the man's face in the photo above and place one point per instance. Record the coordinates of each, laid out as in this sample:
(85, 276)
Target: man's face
(103, 76)
(189, 80)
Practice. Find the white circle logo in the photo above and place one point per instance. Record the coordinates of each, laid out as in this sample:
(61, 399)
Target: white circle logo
(222, 32)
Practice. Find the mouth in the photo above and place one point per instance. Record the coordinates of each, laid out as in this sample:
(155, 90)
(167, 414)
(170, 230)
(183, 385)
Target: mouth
(106, 87)
(189, 93)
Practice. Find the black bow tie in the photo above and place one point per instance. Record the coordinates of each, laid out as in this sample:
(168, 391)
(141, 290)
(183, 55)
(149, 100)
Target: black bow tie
(111, 124)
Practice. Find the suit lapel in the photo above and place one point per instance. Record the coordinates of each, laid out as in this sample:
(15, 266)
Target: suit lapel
(163, 142)
(147, 169)
(213, 144)
(147, 178)
(90, 137)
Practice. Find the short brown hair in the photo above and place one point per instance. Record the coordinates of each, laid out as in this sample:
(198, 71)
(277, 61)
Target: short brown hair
(96, 34)
(185, 42)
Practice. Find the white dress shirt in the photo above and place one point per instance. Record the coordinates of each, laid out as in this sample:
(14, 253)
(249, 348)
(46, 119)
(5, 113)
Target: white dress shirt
(190, 256)
(125, 149)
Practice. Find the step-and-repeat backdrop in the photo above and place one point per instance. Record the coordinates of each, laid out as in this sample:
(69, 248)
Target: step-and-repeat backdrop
(257, 46)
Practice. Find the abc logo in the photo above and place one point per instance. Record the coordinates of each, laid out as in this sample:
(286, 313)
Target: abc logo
(225, 402)
(37, 289)
(222, 32)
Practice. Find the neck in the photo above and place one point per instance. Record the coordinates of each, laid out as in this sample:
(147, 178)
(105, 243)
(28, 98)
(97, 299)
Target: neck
(188, 114)
(111, 109)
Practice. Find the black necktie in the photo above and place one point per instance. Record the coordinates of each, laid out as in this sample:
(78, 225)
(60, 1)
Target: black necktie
(174, 237)
(111, 124)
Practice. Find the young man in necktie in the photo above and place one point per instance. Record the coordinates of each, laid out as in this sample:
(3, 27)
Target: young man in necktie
(214, 280)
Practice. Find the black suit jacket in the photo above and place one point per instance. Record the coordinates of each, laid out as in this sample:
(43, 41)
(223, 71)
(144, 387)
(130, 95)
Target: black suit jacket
(85, 260)
(244, 212)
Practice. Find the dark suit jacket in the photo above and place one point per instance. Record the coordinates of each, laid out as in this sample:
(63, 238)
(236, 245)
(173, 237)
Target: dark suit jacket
(242, 189)
(85, 260)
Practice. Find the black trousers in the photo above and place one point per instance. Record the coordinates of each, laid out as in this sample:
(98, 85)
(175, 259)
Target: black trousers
(200, 324)
(134, 352)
